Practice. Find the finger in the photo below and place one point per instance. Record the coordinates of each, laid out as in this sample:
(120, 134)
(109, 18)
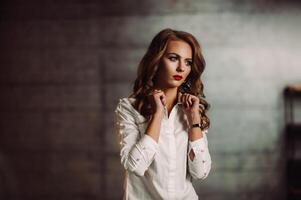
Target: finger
(164, 101)
(156, 91)
(190, 100)
(196, 100)
(182, 98)
(160, 94)
(186, 100)
(180, 94)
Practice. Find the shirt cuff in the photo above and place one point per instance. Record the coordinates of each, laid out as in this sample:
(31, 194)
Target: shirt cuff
(145, 150)
(198, 146)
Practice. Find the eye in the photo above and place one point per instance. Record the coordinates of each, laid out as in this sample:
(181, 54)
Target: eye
(172, 58)
(189, 63)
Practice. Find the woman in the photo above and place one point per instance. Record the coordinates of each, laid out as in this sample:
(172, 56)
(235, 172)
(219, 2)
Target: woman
(163, 124)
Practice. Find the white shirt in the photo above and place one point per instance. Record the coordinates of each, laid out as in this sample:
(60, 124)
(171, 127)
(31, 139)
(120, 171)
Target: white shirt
(160, 170)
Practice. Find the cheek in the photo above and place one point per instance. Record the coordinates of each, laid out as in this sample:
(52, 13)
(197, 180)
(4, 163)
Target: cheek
(188, 72)
(168, 67)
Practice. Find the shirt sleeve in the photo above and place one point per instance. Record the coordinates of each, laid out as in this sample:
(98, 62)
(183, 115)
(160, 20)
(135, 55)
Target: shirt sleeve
(137, 153)
(200, 166)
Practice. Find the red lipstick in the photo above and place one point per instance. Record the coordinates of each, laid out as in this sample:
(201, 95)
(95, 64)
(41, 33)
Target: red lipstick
(177, 77)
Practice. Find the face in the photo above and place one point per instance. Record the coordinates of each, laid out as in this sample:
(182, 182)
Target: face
(176, 61)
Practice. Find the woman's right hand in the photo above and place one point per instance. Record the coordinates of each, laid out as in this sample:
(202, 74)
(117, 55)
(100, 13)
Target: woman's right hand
(158, 101)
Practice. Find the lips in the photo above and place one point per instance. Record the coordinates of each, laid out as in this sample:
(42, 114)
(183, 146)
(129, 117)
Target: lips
(177, 77)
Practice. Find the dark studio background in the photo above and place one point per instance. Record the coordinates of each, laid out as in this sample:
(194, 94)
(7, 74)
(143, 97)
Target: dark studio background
(64, 65)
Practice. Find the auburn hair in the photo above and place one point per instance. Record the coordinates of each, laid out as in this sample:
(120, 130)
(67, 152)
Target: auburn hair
(150, 63)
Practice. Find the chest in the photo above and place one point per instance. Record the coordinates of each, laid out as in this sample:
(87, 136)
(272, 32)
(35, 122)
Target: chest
(173, 129)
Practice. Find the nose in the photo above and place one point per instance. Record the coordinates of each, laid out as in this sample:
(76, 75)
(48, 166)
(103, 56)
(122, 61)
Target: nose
(180, 67)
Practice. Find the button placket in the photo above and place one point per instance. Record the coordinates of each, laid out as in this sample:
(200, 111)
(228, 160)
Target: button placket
(172, 151)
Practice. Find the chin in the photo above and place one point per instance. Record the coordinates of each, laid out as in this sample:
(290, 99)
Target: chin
(173, 85)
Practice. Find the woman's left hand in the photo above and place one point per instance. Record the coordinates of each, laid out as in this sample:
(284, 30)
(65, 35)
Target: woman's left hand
(190, 102)
(190, 105)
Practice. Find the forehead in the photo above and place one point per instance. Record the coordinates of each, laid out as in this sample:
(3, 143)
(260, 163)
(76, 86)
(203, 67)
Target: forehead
(179, 47)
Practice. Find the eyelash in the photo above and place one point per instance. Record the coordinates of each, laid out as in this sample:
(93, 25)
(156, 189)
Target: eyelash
(171, 58)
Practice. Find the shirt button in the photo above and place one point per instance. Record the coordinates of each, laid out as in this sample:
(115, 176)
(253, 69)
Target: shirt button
(202, 150)
(137, 159)
(203, 161)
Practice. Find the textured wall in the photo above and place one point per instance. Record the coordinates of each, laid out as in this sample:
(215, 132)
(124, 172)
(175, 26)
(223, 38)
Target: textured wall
(65, 64)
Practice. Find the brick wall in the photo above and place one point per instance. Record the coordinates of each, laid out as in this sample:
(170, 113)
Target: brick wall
(65, 64)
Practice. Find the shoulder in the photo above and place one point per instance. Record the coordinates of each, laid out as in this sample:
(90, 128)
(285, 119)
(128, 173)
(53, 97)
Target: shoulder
(126, 101)
(125, 105)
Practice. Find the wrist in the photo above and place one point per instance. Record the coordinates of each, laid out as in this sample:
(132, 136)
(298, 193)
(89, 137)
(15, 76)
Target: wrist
(158, 115)
(196, 125)
(194, 118)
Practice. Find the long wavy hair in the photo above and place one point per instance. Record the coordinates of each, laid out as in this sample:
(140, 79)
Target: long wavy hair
(148, 68)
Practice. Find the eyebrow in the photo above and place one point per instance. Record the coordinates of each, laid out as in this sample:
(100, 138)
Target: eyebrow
(179, 55)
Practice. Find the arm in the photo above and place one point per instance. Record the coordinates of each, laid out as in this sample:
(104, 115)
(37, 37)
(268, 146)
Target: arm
(136, 153)
(199, 160)
(200, 165)
(153, 129)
